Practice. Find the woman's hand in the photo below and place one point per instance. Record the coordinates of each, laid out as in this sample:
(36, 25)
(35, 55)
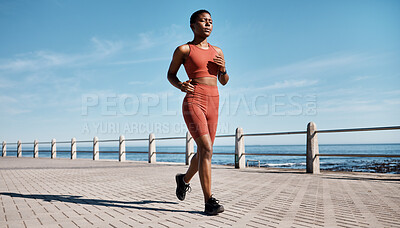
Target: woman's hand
(187, 87)
(220, 61)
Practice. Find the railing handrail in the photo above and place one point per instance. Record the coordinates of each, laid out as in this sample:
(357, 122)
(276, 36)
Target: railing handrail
(108, 140)
(276, 133)
(360, 129)
(84, 141)
(361, 155)
(221, 136)
(137, 139)
(173, 137)
(325, 131)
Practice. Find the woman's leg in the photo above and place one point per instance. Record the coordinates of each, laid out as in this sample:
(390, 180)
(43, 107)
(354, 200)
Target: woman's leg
(196, 121)
(204, 144)
(193, 167)
(201, 117)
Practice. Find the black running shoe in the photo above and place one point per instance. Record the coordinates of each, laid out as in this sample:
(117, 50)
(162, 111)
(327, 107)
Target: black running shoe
(181, 187)
(213, 207)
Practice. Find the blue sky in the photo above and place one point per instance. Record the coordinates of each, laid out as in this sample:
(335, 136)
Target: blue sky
(98, 68)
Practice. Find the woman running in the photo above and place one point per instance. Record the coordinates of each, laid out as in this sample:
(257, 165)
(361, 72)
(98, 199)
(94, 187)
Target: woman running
(204, 64)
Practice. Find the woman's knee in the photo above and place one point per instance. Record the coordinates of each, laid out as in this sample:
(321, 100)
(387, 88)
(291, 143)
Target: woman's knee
(204, 146)
(206, 153)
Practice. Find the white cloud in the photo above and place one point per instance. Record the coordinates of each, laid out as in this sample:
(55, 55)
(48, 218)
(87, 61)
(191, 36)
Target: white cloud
(105, 47)
(40, 60)
(136, 83)
(7, 99)
(13, 110)
(290, 84)
(360, 78)
(146, 41)
(172, 34)
(319, 64)
(136, 61)
(349, 109)
(5, 83)
(102, 49)
(286, 84)
(393, 92)
(392, 101)
(307, 72)
(352, 105)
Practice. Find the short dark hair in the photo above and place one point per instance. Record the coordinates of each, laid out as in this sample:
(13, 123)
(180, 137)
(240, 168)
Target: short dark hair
(196, 14)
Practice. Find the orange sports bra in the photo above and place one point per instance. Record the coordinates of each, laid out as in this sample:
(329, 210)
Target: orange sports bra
(200, 62)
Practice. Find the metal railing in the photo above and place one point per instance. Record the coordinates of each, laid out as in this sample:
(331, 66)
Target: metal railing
(312, 152)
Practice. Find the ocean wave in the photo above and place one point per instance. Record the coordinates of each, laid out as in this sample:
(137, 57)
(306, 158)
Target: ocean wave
(288, 164)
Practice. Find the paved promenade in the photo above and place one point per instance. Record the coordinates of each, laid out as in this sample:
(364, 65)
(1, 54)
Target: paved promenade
(82, 193)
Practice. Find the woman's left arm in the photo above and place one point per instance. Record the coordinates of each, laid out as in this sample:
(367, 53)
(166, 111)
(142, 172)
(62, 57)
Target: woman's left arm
(219, 59)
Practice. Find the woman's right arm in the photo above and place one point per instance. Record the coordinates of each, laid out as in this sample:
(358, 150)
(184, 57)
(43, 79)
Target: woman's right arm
(177, 61)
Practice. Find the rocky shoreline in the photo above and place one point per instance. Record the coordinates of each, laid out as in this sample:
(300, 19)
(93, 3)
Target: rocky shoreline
(386, 166)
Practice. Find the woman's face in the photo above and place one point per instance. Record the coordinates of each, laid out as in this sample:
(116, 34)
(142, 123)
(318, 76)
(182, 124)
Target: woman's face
(203, 25)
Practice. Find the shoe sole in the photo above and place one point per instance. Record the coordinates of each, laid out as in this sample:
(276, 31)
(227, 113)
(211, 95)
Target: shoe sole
(221, 209)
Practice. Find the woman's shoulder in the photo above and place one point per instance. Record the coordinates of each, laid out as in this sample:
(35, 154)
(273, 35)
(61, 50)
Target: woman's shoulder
(184, 48)
(219, 50)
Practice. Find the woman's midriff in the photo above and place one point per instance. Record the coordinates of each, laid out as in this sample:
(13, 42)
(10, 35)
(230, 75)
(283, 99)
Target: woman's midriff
(212, 81)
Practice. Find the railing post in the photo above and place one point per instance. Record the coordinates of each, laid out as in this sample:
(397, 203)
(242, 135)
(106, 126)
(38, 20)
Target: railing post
(152, 148)
(95, 148)
(4, 149)
(35, 149)
(122, 154)
(73, 148)
(189, 148)
(53, 149)
(312, 149)
(19, 149)
(239, 149)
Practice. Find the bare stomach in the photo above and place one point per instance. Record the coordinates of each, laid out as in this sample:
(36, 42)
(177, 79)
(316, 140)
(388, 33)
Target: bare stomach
(212, 81)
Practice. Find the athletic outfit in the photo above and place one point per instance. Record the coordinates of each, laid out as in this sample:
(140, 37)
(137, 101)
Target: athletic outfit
(200, 108)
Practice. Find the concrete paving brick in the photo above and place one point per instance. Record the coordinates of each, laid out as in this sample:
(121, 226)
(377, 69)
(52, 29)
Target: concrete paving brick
(81, 222)
(32, 223)
(95, 219)
(68, 224)
(27, 214)
(85, 193)
(12, 216)
(15, 224)
(58, 217)
(119, 223)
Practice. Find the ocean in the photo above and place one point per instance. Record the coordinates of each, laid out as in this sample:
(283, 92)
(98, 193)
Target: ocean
(359, 164)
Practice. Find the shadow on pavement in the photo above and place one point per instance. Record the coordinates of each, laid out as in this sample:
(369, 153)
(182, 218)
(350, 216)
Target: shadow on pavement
(100, 202)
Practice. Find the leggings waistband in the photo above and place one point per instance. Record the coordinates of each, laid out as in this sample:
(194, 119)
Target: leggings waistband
(204, 89)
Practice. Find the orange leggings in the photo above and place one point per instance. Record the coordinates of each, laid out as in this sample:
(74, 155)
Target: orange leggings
(200, 110)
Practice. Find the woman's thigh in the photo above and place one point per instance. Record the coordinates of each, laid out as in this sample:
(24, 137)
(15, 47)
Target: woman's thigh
(212, 116)
(195, 118)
